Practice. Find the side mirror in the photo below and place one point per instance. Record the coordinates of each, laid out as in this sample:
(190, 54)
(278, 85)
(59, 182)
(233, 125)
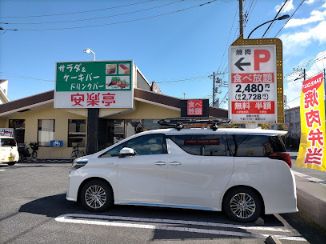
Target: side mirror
(126, 152)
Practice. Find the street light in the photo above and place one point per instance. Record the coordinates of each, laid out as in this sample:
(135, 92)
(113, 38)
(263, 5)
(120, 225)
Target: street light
(285, 16)
(88, 51)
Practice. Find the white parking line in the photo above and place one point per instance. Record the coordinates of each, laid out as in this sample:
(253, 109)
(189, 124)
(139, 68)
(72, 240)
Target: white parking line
(158, 224)
(307, 177)
(2, 170)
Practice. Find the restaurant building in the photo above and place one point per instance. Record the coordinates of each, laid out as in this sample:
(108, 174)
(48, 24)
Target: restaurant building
(57, 129)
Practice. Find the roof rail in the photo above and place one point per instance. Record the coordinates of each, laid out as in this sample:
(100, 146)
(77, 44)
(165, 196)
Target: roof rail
(179, 123)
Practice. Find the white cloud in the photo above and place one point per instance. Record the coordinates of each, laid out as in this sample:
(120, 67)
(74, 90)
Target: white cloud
(319, 65)
(294, 43)
(309, 1)
(293, 88)
(287, 8)
(315, 16)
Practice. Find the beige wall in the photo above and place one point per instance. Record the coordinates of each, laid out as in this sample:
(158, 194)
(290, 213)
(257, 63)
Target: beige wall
(142, 111)
(3, 123)
(31, 117)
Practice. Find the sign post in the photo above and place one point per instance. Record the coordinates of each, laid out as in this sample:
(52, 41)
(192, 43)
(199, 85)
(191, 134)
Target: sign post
(256, 81)
(94, 85)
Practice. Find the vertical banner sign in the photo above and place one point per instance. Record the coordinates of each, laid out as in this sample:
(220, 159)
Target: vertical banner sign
(253, 85)
(94, 84)
(312, 150)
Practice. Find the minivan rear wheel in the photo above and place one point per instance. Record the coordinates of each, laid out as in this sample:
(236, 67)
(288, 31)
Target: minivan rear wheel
(11, 163)
(96, 196)
(242, 204)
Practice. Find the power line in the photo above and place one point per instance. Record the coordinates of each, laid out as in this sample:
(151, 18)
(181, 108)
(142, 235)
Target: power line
(279, 11)
(95, 18)
(305, 64)
(26, 77)
(126, 21)
(182, 80)
(77, 12)
(290, 18)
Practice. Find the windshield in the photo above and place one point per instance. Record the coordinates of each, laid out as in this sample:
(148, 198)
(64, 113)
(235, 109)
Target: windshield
(7, 142)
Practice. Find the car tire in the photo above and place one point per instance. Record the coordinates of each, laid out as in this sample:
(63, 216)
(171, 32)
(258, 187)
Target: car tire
(96, 196)
(242, 204)
(11, 163)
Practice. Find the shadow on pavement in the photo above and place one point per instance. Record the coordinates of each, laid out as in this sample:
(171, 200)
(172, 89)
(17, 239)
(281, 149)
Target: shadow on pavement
(51, 206)
(56, 205)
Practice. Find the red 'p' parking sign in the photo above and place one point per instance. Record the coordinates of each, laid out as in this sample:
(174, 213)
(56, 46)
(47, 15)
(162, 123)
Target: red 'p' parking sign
(253, 84)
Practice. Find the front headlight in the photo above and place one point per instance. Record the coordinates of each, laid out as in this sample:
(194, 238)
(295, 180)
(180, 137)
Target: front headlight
(78, 163)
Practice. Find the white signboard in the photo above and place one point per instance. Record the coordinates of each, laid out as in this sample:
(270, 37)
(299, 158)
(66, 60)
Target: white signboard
(7, 132)
(253, 86)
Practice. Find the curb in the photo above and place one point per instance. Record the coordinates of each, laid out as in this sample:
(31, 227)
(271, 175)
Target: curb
(47, 161)
(311, 208)
(272, 240)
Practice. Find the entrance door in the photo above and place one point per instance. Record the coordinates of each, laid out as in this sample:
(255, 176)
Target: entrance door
(19, 129)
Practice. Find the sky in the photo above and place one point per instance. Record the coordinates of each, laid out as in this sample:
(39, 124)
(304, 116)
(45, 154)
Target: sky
(177, 43)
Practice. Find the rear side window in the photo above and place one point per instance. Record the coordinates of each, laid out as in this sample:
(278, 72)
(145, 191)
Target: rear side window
(7, 142)
(204, 145)
(255, 145)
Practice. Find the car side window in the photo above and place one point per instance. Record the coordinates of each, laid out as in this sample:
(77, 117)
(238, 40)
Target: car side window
(252, 146)
(148, 144)
(113, 152)
(205, 145)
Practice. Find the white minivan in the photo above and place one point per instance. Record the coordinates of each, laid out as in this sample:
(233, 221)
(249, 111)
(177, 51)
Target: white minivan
(8, 150)
(244, 172)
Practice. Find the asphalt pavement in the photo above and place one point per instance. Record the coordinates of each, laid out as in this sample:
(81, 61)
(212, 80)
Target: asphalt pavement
(33, 209)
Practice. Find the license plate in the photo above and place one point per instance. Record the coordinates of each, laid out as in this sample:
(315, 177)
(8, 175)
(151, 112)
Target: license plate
(11, 158)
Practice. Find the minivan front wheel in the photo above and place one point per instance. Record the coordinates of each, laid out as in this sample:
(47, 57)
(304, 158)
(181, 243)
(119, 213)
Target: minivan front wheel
(96, 196)
(242, 204)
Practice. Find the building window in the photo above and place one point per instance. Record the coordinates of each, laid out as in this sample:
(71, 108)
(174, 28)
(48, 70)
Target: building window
(76, 132)
(45, 132)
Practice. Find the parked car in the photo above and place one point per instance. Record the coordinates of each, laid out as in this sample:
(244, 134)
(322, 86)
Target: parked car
(8, 150)
(244, 172)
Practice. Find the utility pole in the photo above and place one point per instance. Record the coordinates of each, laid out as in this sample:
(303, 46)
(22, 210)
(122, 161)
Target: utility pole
(217, 83)
(214, 87)
(241, 17)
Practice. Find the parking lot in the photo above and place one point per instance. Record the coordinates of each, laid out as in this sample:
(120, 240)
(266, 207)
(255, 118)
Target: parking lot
(34, 210)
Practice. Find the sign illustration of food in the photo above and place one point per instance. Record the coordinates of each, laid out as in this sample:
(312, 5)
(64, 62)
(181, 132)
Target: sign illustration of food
(111, 69)
(124, 69)
(117, 82)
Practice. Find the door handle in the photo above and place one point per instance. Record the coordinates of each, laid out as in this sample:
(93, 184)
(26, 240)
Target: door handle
(160, 163)
(175, 163)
